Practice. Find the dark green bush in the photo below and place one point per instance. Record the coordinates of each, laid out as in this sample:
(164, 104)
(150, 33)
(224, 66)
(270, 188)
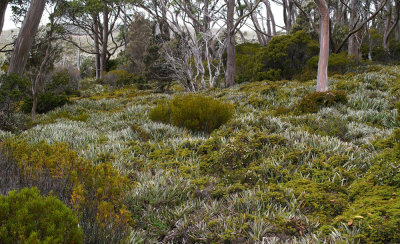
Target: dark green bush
(46, 102)
(27, 217)
(59, 82)
(338, 64)
(13, 88)
(195, 112)
(312, 102)
(283, 58)
(120, 78)
(245, 62)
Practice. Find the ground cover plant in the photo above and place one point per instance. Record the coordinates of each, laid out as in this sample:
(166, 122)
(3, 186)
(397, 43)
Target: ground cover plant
(275, 171)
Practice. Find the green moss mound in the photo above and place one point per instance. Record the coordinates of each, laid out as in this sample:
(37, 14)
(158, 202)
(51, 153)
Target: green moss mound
(312, 102)
(27, 217)
(195, 112)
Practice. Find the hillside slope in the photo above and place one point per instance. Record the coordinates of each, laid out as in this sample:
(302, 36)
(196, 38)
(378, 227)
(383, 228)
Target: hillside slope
(269, 174)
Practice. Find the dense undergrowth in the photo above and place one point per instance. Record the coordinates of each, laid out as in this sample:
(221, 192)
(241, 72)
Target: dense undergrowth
(289, 166)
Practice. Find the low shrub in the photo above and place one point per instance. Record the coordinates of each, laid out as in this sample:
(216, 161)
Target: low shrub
(312, 102)
(120, 78)
(338, 64)
(46, 102)
(94, 192)
(64, 81)
(376, 209)
(195, 112)
(27, 217)
(13, 88)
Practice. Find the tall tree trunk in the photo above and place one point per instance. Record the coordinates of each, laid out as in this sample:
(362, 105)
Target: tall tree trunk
(390, 27)
(271, 16)
(285, 15)
(103, 55)
(96, 38)
(26, 36)
(353, 46)
(322, 78)
(397, 32)
(3, 8)
(388, 22)
(230, 45)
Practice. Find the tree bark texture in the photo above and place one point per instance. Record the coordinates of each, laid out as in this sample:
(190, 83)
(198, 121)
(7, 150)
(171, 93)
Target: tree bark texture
(3, 8)
(26, 36)
(230, 45)
(322, 78)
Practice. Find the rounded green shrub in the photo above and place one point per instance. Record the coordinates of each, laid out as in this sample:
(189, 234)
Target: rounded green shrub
(27, 217)
(46, 102)
(312, 102)
(195, 112)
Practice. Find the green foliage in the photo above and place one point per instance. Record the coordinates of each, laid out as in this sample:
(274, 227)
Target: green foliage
(312, 102)
(27, 217)
(13, 88)
(195, 112)
(337, 64)
(87, 68)
(46, 102)
(283, 58)
(377, 210)
(120, 78)
(156, 68)
(245, 62)
(95, 192)
(65, 81)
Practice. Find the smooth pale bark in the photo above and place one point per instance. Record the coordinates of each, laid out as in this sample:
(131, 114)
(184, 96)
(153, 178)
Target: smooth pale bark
(230, 45)
(322, 78)
(3, 8)
(26, 36)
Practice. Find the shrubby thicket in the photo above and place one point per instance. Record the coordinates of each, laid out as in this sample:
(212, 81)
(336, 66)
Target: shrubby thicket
(28, 217)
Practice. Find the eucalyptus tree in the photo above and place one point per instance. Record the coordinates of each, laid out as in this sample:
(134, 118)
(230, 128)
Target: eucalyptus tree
(52, 33)
(98, 21)
(322, 76)
(391, 22)
(3, 8)
(26, 36)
